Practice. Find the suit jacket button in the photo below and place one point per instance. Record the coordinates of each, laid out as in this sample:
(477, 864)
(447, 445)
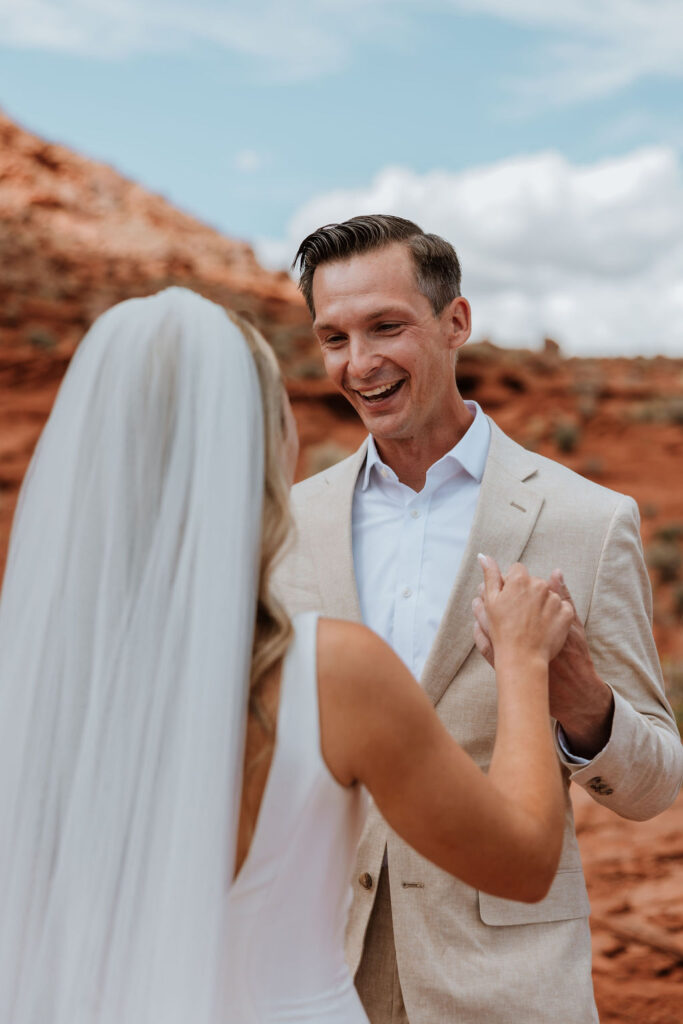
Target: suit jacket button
(366, 880)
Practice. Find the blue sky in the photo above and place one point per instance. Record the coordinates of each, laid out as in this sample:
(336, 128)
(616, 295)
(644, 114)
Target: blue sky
(260, 116)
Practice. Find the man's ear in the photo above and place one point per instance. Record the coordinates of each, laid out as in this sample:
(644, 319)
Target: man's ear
(459, 317)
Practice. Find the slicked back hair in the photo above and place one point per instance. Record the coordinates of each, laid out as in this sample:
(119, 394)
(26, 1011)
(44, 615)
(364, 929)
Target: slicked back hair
(437, 268)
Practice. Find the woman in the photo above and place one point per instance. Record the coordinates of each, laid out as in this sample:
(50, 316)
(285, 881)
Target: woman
(180, 764)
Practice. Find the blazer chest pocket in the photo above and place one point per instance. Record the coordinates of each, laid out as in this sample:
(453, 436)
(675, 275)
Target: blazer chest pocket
(567, 899)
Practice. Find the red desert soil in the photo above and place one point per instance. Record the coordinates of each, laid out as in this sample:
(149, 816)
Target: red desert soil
(634, 872)
(76, 237)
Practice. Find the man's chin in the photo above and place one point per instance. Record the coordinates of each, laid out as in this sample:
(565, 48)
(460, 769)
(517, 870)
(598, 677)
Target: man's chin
(387, 423)
(383, 428)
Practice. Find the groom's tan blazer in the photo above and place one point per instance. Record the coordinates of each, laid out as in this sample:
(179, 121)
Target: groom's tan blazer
(463, 955)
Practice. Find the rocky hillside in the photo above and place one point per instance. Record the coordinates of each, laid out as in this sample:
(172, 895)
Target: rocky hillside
(75, 237)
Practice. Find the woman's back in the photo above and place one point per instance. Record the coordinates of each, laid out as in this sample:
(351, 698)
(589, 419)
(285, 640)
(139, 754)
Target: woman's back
(289, 903)
(135, 625)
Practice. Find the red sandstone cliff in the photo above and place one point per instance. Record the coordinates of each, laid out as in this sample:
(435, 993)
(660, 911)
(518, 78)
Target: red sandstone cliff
(76, 236)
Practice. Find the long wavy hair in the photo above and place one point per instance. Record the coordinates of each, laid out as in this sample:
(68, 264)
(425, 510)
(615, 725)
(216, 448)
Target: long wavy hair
(273, 628)
(136, 628)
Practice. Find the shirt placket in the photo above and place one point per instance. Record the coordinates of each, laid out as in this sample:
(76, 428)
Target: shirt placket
(410, 553)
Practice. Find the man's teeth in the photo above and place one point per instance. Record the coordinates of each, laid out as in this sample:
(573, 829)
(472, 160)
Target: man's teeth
(378, 391)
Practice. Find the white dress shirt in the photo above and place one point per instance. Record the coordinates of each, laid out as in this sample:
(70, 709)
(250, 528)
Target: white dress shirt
(408, 546)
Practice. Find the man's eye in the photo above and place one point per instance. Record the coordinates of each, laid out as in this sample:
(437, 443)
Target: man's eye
(388, 327)
(334, 339)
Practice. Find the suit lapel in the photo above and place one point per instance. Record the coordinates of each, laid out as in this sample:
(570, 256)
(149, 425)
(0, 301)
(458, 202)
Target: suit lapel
(506, 513)
(331, 539)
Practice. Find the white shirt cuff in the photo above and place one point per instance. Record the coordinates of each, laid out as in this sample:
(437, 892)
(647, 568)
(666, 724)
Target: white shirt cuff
(564, 747)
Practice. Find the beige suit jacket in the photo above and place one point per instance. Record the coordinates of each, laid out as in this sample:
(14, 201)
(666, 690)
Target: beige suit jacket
(463, 955)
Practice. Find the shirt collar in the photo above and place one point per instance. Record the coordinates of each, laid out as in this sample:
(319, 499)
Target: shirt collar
(470, 453)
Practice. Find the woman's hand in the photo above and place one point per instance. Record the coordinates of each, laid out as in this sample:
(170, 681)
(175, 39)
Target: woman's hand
(521, 612)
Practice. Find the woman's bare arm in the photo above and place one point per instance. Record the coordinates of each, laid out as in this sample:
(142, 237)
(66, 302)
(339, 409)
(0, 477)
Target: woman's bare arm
(500, 832)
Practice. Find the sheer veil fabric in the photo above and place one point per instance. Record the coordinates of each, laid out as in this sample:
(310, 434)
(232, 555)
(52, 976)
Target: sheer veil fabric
(126, 627)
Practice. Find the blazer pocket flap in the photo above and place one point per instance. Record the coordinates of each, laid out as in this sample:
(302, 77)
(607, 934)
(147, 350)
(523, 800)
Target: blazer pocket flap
(566, 899)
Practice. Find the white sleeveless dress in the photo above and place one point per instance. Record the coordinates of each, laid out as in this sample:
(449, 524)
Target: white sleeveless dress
(289, 903)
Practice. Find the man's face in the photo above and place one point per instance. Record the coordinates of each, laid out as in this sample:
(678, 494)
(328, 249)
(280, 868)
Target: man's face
(382, 345)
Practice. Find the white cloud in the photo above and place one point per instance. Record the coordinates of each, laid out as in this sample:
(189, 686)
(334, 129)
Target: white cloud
(288, 40)
(591, 255)
(590, 47)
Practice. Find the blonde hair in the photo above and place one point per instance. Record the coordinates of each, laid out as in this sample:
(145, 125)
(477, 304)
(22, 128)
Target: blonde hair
(273, 628)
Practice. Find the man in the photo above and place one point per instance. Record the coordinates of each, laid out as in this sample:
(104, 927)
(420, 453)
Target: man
(390, 536)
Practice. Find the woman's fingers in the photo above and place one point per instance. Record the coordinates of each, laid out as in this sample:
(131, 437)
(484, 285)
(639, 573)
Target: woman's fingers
(521, 608)
(483, 643)
(480, 614)
(493, 580)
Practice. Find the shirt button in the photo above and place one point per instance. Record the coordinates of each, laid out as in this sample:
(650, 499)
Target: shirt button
(366, 880)
(415, 514)
(407, 592)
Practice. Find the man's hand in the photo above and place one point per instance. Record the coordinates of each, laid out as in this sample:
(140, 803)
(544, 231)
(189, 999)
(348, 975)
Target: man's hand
(579, 700)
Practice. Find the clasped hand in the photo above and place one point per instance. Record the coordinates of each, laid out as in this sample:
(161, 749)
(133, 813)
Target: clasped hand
(579, 699)
(520, 612)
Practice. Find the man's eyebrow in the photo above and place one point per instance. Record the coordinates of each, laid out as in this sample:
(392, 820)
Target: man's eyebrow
(394, 311)
(377, 314)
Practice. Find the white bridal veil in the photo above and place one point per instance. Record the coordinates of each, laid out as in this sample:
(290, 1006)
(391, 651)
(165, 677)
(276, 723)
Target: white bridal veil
(126, 625)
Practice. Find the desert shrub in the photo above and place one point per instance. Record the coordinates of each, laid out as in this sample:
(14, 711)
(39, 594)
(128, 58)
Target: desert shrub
(513, 383)
(669, 532)
(307, 369)
(566, 435)
(664, 557)
(594, 385)
(588, 391)
(41, 338)
(593, 467)
(672, 669)
(666, 409)
(587, 407)
(322, 456)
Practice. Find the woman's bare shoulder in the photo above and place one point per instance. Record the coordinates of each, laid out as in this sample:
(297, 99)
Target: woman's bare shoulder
(339, 633)
(348, 651)
(358, 675)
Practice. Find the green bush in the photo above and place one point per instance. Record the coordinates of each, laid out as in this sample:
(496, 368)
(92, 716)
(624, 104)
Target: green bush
(669, 532)
(566, 435)
(324, 455)
(41, 338)
(664, 557)
(593, 467)
(672, 669)
(666, 409)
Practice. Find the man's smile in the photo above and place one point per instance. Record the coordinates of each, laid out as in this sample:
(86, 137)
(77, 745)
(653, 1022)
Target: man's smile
(379, 394)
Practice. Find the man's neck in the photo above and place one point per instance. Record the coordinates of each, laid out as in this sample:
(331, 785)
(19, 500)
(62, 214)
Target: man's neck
(410, 458)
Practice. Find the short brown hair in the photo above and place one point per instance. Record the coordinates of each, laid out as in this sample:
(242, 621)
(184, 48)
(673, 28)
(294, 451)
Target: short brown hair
(436, 263)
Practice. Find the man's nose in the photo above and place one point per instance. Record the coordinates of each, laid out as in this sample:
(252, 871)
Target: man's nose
(363, 359)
